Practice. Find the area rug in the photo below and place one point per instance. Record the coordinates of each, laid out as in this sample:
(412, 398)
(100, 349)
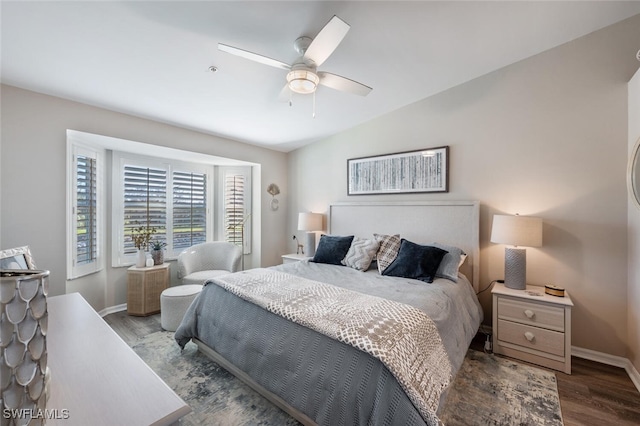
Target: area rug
(488, 390)
(491, 390)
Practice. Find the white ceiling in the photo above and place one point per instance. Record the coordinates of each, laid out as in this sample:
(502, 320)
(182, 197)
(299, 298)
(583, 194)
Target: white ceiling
(150, 59)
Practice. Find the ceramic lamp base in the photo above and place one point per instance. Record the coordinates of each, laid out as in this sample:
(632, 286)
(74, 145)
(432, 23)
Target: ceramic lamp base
(515, 268)
(310, 243)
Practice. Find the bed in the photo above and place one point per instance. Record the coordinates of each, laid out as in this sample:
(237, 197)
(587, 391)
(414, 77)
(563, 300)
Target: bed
(321, 378)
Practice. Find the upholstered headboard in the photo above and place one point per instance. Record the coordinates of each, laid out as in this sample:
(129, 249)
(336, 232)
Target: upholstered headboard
(454, 223)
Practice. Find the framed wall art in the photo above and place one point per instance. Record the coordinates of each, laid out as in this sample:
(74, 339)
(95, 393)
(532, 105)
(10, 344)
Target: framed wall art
(425, 170)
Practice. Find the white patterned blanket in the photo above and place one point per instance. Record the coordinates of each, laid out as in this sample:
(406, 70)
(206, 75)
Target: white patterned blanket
(402, 337)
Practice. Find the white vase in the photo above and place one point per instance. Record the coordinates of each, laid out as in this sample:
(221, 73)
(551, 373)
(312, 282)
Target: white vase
(141, 259)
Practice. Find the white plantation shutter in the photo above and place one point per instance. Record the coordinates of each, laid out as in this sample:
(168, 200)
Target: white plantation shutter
(189, 209)
(145, 202)
(236, 206)
(86, 211)
(85, 189)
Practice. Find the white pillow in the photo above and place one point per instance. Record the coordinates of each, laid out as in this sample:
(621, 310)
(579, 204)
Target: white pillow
(361, 253)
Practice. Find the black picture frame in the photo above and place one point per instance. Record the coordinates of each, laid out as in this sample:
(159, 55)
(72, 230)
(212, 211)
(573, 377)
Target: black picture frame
(419, 171)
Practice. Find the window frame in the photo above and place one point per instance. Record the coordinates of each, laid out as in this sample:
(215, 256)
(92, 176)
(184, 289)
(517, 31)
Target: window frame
(77, 148)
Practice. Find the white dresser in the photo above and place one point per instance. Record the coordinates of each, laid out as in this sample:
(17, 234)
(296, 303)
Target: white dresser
(532, 326)
(96, 378)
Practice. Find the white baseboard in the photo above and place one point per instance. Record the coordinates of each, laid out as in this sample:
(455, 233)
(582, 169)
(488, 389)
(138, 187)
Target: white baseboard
(616, 361)
(113, 309)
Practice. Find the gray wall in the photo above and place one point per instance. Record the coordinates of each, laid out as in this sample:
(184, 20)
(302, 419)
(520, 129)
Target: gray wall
(33, 173)
(546, 136)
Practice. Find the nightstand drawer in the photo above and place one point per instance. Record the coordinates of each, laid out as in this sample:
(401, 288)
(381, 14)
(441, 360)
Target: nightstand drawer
(531, 313)
(531, 337)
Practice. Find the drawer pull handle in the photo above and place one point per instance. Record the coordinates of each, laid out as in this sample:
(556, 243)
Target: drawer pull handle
(529, 313)
(529, 336)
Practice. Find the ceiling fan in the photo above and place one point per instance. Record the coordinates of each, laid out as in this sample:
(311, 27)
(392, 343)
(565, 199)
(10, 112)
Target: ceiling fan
(303, 76)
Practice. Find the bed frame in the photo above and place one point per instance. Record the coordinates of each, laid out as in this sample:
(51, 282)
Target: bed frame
(448, 222)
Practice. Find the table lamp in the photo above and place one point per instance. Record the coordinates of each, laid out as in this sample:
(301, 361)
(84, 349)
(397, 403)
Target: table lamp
(310, 222)
(517, 231)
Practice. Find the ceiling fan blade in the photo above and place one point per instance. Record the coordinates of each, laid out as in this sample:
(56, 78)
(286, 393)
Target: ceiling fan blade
(253, 56)
(344, 84)
(327, 40)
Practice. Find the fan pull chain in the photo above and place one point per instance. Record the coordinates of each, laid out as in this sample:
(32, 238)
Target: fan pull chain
(290, 97)
(314, 105)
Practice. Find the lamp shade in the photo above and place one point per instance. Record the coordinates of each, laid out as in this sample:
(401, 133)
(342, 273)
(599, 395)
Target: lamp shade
(517, 230)
(309, 222)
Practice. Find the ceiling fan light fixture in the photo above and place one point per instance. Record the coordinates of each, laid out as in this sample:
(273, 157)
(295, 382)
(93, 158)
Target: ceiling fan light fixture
(302, 81)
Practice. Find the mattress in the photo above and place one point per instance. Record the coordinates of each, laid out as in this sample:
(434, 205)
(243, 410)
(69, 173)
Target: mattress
(330, 382)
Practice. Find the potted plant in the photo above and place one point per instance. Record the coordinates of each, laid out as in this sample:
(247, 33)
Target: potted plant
(141, 237)
(157, 251)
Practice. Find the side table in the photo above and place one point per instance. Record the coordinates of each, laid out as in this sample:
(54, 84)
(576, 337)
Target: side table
(532, 326)
(144, 286)
(293, 257)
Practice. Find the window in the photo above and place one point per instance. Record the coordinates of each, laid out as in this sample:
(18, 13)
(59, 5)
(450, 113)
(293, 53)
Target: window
(85, 216)
(145, 202)
(236, 209)
(189, 209)
(86, 210)
(171, 197)
(176, 192)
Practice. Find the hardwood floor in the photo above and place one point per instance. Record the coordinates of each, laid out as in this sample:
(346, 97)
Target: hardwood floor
(131, 328)
(597, 394)
(594, 394)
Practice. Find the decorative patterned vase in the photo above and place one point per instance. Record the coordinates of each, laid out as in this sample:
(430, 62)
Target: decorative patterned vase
(141, 259)
(158, 256)
(23, 343)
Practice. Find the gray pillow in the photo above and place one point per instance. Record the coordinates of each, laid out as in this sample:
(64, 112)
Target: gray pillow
(450, 262)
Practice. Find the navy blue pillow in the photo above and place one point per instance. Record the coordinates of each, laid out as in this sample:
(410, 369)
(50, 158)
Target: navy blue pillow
(416, 261)
(332, 249)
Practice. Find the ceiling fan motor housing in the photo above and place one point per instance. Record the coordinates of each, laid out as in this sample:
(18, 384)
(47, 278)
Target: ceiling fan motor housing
(302, 44)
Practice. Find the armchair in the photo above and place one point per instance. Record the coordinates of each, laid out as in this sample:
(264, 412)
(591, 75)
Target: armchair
(202, 261)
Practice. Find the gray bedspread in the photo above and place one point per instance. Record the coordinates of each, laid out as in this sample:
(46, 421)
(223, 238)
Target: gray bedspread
(332, 383)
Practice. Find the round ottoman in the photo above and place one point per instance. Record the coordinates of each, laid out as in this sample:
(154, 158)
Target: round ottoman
(174, 302)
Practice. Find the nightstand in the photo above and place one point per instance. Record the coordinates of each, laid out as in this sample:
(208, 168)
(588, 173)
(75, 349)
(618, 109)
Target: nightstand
(532, 326)
(144, 286)
(290, 258)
